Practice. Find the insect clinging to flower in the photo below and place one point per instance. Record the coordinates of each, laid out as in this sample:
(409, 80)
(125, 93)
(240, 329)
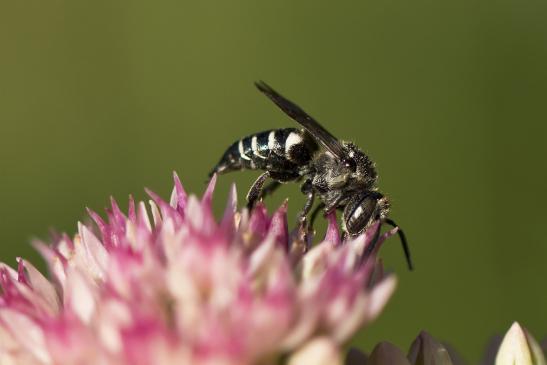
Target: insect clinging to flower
(336, 172)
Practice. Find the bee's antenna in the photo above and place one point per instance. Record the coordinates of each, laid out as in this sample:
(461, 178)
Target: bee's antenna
(403, 242)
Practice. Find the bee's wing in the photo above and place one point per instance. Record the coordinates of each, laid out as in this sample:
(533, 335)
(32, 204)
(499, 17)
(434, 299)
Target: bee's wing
(311, 125)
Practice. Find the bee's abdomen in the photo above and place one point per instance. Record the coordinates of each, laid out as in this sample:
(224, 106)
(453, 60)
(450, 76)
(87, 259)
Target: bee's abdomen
(279, 150)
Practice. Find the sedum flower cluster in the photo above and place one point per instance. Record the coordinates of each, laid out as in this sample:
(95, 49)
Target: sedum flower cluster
(166, 283)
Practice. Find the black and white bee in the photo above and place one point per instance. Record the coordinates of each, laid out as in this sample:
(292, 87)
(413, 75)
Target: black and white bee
(338, 173)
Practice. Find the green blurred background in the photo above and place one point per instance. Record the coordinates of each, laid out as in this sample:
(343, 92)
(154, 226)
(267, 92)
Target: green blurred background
(102, 98)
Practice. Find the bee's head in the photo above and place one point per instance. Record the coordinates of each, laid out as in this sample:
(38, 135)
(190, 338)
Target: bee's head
(361, 168)
(363, 209)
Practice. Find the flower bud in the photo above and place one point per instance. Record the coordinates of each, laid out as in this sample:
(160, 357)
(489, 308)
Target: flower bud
(519, 348)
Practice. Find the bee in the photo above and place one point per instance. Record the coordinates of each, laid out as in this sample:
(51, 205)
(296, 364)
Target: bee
(336, 172)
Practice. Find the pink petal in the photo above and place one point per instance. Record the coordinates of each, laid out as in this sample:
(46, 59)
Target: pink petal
(379, 296)
(333, 234)
(179, 197)
(103, 228)
(42, 287)
(229, 218)
(318, 351)
(350, 318)
(143, 220)
(259, 221)
(79, 295)
(131, 210)
(27, 333)
(165, 209)
(156, 215)
(96, 254)
(278, 226)
(208, 195)
(315, 261)
(117, 215)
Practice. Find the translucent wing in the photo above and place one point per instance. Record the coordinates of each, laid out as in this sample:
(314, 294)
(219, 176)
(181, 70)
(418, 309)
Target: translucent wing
(311, 125)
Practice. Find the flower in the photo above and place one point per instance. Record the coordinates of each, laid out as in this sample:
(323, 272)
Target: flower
(426, 350)
(168, 284)
(520, 348)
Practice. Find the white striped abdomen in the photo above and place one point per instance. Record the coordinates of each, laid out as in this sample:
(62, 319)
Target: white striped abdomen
(278, 151)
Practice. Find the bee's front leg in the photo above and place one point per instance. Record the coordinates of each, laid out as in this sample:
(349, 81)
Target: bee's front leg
(307, 189)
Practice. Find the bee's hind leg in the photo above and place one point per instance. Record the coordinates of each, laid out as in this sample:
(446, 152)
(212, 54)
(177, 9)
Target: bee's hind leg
(255, 192)
(258, 191)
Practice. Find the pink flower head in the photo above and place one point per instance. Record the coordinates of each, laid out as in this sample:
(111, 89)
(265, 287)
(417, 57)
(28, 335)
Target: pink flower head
(168, 284)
